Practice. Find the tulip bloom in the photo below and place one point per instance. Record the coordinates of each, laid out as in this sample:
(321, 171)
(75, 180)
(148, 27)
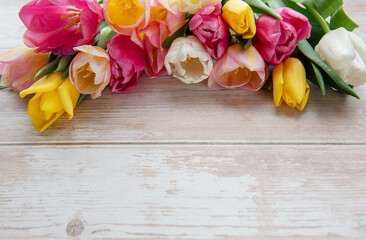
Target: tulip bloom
(156, 34)
(126, 16)
(240, 17)
(18, 67)
(193, 7)
(53, 96)
(209, 27)
(290, 85)
(345, 53)
(59, 26)
(90, 71)
(188, 60)
(167, 13)
(239, 68)
(128, 61)
(275, 39)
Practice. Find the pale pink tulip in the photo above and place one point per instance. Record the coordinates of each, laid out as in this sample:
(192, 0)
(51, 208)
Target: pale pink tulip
(90, 71)
(60, 25)
(239, 68)
(19, 66)
(167, 13)
(156, 33)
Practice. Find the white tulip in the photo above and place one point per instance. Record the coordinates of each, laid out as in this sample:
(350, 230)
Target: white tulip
(345, 53)
(194, 6)
(188, 60)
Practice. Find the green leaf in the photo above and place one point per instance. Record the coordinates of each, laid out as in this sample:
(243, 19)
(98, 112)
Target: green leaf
(275, 3)
(66, 73)
(105, 34)
(259, 4)
(52, 66)
(327, 7)
(318, 77)
(81, 98)
(181, 31)
(64, 63)
(51, 57)
(340, 19)
(319, 19)
(309, 52)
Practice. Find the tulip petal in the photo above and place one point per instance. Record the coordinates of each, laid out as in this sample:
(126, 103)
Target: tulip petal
(47, 83)
(278, 83)
(69, 96)
(295, 76)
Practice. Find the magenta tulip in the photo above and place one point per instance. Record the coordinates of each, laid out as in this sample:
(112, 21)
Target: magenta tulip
(209, 27)
(60, 25)
(128, 61)
(276, 40)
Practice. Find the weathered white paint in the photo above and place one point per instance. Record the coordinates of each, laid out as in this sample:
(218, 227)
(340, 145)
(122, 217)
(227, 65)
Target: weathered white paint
(183, 192)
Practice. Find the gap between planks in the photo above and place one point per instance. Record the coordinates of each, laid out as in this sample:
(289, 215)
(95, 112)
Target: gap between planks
(184, 143)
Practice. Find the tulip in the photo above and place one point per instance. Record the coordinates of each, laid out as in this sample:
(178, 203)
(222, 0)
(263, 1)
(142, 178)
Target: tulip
(128, 61)
(126, 16)
(90, 71)
(289, 84)
(155, 35)
(193, 7)
(59, 26)
(188, 60)
(167, 13)
(345, 53)
(240, 17)
(19, 66)
(275, 39)
(209, 27)
(239, 68)
(53, 96)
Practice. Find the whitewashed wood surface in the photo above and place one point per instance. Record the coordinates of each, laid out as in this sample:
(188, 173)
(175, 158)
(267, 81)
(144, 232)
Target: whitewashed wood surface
(175, 161)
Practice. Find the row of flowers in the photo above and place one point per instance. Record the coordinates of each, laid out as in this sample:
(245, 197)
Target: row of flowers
(79, 47)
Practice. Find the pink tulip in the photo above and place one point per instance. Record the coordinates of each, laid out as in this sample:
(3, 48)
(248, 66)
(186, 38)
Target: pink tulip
(156, 33)
(127, 63)
(19, 66)
(239, 68)
(167, 12)
(209, 27)
(61, 25)
(276, 40)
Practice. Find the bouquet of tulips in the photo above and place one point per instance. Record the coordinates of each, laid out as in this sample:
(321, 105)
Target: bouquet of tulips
(76, 48)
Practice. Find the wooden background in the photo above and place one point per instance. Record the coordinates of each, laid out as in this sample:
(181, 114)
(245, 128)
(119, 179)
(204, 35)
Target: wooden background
(173, 161)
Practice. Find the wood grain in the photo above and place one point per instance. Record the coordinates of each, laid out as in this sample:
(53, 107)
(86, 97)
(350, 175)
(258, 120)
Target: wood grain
(175, 161)
(165, 110)
(183, 192)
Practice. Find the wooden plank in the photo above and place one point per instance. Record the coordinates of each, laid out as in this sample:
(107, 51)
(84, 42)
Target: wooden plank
(183, 192)
(166, 110)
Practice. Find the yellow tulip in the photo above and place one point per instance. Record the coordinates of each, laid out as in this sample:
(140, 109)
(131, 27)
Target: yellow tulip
(290, 85)
(125, 16)
(240, 17)
(53, 96)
